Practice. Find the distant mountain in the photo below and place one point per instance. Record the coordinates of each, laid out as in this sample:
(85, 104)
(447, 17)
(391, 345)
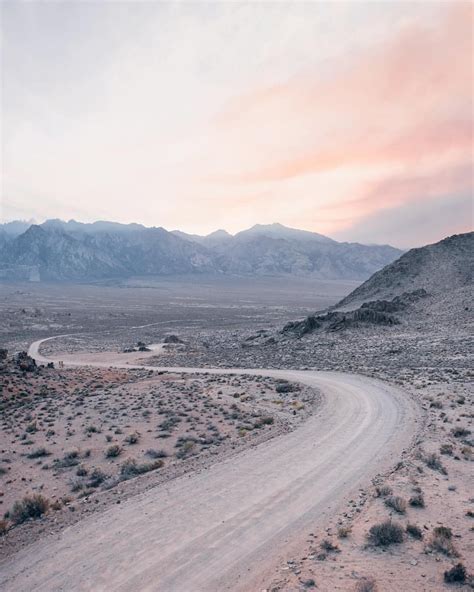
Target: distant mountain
(279, 231)
(57, 250)
(15, 228)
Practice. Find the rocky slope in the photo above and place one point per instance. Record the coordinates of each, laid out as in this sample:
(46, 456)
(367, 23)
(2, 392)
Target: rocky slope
(433, 282)
(442, 267)
(59, 250)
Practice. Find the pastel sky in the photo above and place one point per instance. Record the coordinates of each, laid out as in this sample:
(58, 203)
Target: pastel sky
(353, 119)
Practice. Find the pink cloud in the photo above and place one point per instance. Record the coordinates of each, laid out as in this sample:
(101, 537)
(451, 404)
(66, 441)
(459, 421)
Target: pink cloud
(397, 103)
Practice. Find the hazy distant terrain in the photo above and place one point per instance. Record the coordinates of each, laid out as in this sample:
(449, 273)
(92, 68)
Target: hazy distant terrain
(57, 250)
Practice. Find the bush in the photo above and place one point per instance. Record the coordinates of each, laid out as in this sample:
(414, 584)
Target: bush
(343, 532)
(397, 503)
(70, 459)
(329, 546)
(366, 585)
(383, 491)
(417, 501)
(96, 478)
(132, 438)
(3, 527)
(460, 432)
(113, 451)
(446, 449)
(33, 506)
(385, 534)
(156, 453)
(38, 453)
(414, 531)
(284, 387)
(457, 574)
(441, 541)
(130, 468)
(433, 462)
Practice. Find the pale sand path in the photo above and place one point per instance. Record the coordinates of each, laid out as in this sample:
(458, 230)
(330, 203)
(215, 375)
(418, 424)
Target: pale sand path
(228, 527)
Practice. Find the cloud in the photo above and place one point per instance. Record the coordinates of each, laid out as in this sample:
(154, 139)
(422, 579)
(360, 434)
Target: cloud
(399, 102)
(417, 223)
(202, 115)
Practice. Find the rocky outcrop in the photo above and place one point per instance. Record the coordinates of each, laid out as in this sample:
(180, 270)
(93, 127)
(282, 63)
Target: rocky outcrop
(376, 312)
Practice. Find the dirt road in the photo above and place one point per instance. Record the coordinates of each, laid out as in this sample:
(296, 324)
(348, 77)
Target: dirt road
(228, 527)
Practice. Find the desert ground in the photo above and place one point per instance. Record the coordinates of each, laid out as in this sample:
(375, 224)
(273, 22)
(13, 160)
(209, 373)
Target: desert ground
(277, 427)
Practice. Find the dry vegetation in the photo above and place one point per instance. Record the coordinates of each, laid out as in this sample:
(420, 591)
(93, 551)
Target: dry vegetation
(69, 434)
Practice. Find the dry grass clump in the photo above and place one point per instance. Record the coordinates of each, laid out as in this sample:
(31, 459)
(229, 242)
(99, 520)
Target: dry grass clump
(38, 453)
(344, 531)
(434, 462)
(414, 531)
(132, 438)
(417, 501)
(385, 534)
(152, 453)
(366, 585)
(33, 506)
(113, 451)
(397, 503)
(383, 491)
(130, 468)
(441, 542)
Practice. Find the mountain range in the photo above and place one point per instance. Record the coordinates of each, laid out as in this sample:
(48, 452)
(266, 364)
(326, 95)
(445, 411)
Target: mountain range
(74, 251)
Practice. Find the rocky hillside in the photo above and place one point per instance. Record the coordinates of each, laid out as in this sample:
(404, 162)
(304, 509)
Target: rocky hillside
(432, 284)
(71, 250)
(439, 268)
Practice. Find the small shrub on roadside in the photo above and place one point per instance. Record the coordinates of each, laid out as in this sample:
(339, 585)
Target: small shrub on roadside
(383, 491)
(397, 503)
(385, 534)
(329, 546)
(433, 462)
(343, 532)
(33, 506)
(3, 527)
(96, 478)
(156, 453)
(130, 468)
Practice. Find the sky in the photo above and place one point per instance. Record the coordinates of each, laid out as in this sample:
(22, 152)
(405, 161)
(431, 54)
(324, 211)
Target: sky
(352, 119)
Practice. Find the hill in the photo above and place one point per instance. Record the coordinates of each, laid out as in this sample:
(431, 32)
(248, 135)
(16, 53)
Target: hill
(437, 268)
(430, 284)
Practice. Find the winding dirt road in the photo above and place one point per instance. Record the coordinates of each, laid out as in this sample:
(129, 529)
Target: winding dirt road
(229, 526)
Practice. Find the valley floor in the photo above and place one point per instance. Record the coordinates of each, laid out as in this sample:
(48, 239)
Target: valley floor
(426, 488)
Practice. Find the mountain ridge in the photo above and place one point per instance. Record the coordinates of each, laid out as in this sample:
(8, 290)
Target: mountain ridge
(58, 250)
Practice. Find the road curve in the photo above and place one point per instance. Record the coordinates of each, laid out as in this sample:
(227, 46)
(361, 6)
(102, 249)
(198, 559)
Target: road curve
(226, 527)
